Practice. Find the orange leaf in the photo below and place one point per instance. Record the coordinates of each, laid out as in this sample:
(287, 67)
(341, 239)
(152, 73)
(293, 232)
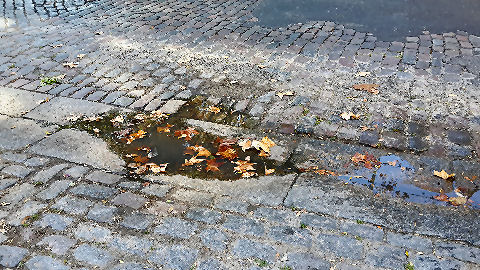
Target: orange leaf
(443, 174)
(245, 144)
(228, 153)
(442, 197)
(192, 161)
(165, 129)
(212, 165)
(269, 171)
(213, 109)
(187, 133)
(369, 87)
(140, 159)
(201, 151)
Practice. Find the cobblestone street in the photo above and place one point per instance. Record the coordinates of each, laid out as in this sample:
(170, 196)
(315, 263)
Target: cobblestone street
(67, 200)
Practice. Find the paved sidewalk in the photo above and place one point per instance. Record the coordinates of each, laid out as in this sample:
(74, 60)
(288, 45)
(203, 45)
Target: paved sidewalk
(66, 201)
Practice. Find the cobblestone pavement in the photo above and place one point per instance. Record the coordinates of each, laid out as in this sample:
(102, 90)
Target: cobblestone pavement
(65, 201)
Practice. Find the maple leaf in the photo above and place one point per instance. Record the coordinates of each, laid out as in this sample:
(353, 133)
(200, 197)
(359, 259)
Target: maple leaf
(369, 161)
(369, 87)
(265, 144)
(269, 171)
(456, 201)
(442, 197)
(243, 166)
(349, 115)
(287, 93)
(140, 159)
(165, 129)
(71, 64)
(248, 174)
(228, 153)
(212, 165)
(187, 133)
(157, 168)
(137, 135)
(192, 161)
(443, 174)
(357, 158)
(213, 109)
(201, 151)
(245, 144)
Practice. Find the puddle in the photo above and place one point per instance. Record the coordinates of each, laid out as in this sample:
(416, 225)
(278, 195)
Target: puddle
(157, 143)
(393, 175)
(388, 20)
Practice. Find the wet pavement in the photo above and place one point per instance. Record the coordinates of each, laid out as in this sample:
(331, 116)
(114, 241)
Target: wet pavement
(378, 141)
(388, 20)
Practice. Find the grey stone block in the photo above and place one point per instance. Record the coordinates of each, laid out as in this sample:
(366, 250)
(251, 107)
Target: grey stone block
(204, 215)
(176, 227)
(138, 221)
(54, 221)
(93, 233)
(45, 263)
(130, 200)
(93, 191)
(341, 246)
(291, 236)
(10, 256)
(244, 248)
(101, 213)
(244, 225)
(175, 257)
(57, 244)
(214, 239)
(72, 205)
(92, 255)
(131, 245)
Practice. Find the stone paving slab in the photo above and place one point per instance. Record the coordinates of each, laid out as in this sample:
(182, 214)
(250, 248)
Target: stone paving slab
(16, 133)
(61, 110)
(15, 102)
(79, 147)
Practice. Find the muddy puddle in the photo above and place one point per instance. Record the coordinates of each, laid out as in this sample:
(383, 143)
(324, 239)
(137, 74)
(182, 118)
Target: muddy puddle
(156, 143)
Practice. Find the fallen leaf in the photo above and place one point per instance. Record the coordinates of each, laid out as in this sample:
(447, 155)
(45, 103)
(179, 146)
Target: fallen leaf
(325, 172)
(192, 161)
(165, 129)
(118, 119)
(456, 201)
(213, 109)
(443, 174)
(245, 144)
(392, 163)
(349, 115)
(243, 166)
(80, 56)
(369, 161)
(71, 64)
(141, 159)
(157, 115)
(471, 179)
(187, 133)
(363, 74)
(212, 165)
(201, 151)
(141, 169)
(137, 135)
(157, 168)
(369, 87)
(287, 93)
(225, 142)
(263, 154)
(228, 153)
(442, 197)
(265, 144)
(269, 171)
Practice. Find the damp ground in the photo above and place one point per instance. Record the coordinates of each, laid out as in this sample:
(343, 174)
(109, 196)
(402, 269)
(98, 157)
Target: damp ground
(389, 20)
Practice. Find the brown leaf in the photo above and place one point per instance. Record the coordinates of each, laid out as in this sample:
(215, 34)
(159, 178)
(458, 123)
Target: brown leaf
(192, 161)
(245, 144)
(212, 165)
(136, 135)
(200, 150)
(443, 174)
(165, 129)
(471, 179)
(349, 115)
(369, 87)
(187, 133)
(243, 166)
(228, 153)
(442, 197)
(456, 201)
(269, 171)
(161, 168)
(213, 109)
(140, 159)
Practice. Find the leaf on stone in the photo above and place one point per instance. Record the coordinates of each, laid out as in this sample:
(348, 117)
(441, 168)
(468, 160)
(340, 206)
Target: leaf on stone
(363, 74)
(442, 197)
(456, 201)
(245, 144)
(349, 115)
(287, 93)
(212, 165)
(265, 144)
(213, 109)
(71, 64)
(325, 172)
(164, 129)
(443, 174)
(192, 161)
(186, 133)
(471, 179)
(80, 56)
(369, 87)
(369, 161)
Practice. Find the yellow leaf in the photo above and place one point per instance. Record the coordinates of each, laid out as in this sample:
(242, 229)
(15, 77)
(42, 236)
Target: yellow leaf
(443, 174)
(245, 144)
(287, 93)
(456, 201)
(269, 171)
(213, 109)
(349, 115)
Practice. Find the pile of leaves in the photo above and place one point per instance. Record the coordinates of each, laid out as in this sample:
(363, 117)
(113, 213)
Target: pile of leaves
(367, 160)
